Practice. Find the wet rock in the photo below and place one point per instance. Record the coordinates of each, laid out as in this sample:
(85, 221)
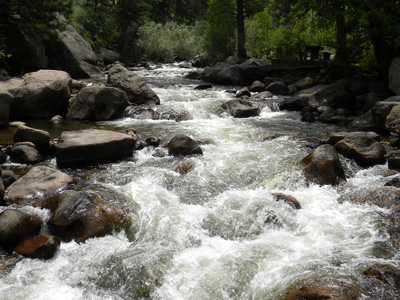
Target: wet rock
(25, 154)
(138, 91)
(2, 189)
(364, 150)
(255, 69)
(42, 246)
(57, 119)
(8, 177)
(384, 273)
(70, 52)
(80, 216)
(363, 122)
(40, 95)
(308, 114)
(393, 158)
(323, 166)
(263, 95)
(257, 86)
(395, 182)
(141, 113)
(386, 197)
(108, 56)
(38, 187)
(393, 120)
(16, 226)
(241, 109)
(327, 113)
(184, 168)
(244, 92)
(153, 141)
(323, 287)
(182, 145)
(278, 88)
(336, 137)
(77, 148)
(40, 138)
(394, 75)
(98, 103)
(305, 83)
(292, 104)
(229, 75)
(291, 201)
(382, 109)
(203, 87)
(6, 100)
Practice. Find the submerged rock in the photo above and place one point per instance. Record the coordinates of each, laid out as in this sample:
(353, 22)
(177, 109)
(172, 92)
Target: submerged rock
(323, 166)
(80, 216)
(182, 145)
(38, 187)
(42, 246)
(384, 273)
(387, 197)
(291, 201)
(77, 148)
(241, 109)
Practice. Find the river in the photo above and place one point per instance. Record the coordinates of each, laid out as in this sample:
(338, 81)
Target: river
(215, 232)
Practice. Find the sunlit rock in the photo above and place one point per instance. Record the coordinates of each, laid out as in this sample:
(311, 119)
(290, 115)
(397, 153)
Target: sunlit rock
(42, 246)
(182, 145)
(241, 108)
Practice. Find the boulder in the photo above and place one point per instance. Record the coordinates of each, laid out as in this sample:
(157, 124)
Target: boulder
(40, 138)
(255, 69)
(2, 189)
(365, 150)
(384, 273)
(323, 166)
(263, 95)
(6, 100)
(394, 76)
(243, 92)
(201, 87)
(381, 110)
(109, 56)
(363, 122)
(70, 52)
(57, 119)
(393, 159)
(393, 120)
(80, 216)
(42, 246)
(336, 137)
(16, 226)
(305, 83)
(293, 104)
(136, 89)
(257, 86)
(182, 145)
(77, 148)
(230, 75)
(38, 187)
(153, 141)
(386, 197)
(323, 287)
(98, 103)
(326, 113)
(308, 114)
(291, 201)
(241, 109)
(8, 177)
(25, 154)
(40, 95)
(278, 88)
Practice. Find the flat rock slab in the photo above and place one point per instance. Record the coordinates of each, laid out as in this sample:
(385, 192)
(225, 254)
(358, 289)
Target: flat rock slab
(38, 187)
(77, 148)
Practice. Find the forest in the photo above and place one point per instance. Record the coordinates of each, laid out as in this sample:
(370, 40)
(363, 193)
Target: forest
(359, 32)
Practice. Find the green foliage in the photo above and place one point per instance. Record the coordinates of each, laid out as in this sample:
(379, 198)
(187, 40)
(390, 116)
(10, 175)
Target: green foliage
(166, 43)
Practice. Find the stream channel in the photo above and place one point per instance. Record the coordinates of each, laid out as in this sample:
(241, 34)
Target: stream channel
(215, 232)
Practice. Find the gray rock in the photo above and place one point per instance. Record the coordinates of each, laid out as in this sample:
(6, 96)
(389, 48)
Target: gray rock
(394, 76)
(16, 225)
(241, 109)
(2, 187)
(243, 92)
(6, 100)
(386, 197)
(278, 88)
(257, 86)
(182, 145)
(338, 136)
(98, 103)
(326, 113)
(393, 158)
(323, 166)
(8, 177)
(393, 120)
(39, 95)
(40, 138)
(365, 150)
(263, 95)
(77, 148)
(305, 83)
(25, 154)
(255, 69)
(138, 91)
(231, 75)
(38, 187)
(380, 112)
(57, 120)
(109, 56)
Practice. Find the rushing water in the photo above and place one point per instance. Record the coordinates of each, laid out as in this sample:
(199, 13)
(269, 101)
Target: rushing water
(215, 232)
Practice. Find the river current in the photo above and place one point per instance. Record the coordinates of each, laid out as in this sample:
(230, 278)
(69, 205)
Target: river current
(215, 232)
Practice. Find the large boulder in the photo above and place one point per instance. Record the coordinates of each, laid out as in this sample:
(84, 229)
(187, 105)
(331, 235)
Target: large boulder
(255, 69)
(323, 166)
(38, 187)
(6, 100)
(70, 52)
(2, 188)
(225, 74)
(16, 225)
(323, 287)
(393, 158)
(278, 88)
(42, 246)
(393, 120)
(182, 145)
(81, 216)
(8, 177)
(77, 148)
(98, 103)
(40, 95)
(241, 109)
(40, 138)
(365, 150)
(25, 154)
(386, 197)
(394, 76)
(136, 89)
(336, 137)
(382, 109)
(109, 56)
(384, 273)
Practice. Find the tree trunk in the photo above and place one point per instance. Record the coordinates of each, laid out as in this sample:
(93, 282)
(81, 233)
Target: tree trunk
(240, 29)
(384, 54)
(341, 32)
